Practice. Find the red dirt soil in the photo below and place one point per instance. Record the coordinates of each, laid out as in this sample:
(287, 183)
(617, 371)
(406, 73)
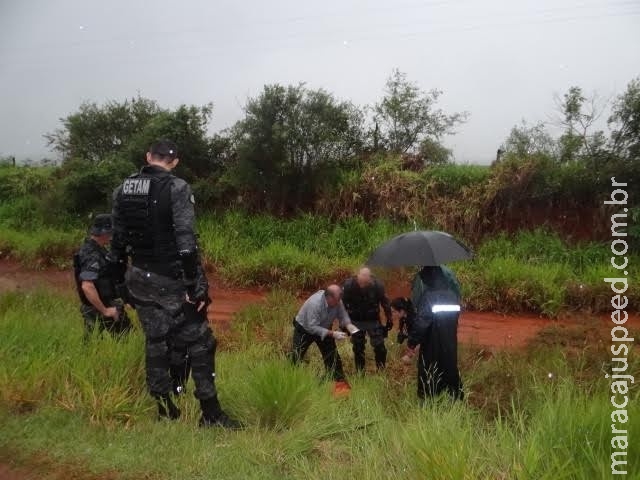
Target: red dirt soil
(40, 466)
(479, 328)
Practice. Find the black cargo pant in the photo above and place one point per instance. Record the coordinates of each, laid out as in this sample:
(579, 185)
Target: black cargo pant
(376, 337)
(179, 352)
(302, 340)
(438, 358)
(159, 302)
(94, 319)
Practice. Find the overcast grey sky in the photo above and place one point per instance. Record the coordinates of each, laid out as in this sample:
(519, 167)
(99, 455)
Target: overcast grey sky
(500, 60)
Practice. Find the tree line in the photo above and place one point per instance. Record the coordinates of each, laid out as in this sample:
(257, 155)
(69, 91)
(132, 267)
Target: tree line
(293, 141)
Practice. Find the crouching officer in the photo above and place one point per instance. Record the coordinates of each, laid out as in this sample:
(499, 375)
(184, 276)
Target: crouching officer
(153, 215)
(363, 296)
(101, 306)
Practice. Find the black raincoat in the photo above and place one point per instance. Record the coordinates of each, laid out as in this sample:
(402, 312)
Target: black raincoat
(436, 296)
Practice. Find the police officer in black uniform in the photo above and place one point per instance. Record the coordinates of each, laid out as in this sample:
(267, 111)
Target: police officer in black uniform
(153, 214)
(101, 306)
(363, 295)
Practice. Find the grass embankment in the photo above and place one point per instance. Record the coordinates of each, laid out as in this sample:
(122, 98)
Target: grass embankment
(86, 404)
(531, 271)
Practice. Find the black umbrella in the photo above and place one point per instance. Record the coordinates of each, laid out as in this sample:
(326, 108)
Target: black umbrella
(419, 248)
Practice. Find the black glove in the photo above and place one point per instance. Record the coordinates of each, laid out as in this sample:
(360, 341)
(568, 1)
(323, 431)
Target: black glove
(359, 335)
(198, 293)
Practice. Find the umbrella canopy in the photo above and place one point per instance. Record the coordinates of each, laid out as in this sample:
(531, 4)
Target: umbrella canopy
(425, 247)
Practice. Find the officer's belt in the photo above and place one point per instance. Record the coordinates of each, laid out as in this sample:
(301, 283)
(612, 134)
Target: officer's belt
(170, 269)
(151, 303)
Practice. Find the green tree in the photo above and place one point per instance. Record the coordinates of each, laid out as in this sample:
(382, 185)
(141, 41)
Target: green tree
(187, 126)
(434, 153)
(126, 129)
(525, 140)
(290, 134)
(625, 123)
(578, 116)
(407, 115)
(96, 131)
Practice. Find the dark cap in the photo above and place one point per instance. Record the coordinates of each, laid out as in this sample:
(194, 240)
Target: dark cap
(101, 225)
(164, 148)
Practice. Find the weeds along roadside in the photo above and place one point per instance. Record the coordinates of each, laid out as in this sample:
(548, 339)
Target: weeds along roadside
(89, 402)
(534, 271)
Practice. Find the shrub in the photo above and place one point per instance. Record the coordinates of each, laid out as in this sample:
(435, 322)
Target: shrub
(89, 186)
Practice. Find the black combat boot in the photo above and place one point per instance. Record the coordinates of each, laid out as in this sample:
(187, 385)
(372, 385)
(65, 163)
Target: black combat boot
(166, 407)
(213, 416)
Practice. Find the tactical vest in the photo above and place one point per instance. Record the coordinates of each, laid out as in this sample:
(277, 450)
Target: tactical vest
(104, 284)
(145, 214)
(363, 305)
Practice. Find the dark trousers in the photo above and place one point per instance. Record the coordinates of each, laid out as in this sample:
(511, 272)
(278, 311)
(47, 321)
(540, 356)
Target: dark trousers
(180, 355)
(170, 331)
(302, 340)
(94, 319)
(376, 337)
(168, 336)
(438, 359)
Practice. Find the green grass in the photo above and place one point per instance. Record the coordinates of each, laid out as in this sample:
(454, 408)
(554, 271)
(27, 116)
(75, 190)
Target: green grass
(451, 178)
(44, 247)
(86, 404)
(535, 271)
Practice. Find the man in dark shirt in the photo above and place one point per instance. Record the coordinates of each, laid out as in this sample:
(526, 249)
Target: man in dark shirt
(363, 296)
(95, 281)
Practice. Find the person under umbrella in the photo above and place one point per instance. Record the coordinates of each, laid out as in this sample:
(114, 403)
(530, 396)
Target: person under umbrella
(436, 294)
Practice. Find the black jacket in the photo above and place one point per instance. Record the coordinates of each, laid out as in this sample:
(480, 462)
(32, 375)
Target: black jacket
(363, 304)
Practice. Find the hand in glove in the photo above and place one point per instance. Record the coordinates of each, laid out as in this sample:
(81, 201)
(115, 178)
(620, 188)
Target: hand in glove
(198, 290)
(198, 295)
(338, 335)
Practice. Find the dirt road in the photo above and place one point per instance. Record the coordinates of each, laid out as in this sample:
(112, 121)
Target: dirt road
(480, 328)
